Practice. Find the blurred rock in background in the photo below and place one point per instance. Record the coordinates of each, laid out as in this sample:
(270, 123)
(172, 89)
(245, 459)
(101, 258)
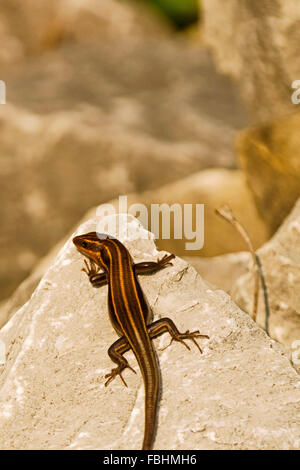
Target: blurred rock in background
(26, 27)
(257, 43)
(29, 28)
(108, 98)
(52, 385)
(270, 157)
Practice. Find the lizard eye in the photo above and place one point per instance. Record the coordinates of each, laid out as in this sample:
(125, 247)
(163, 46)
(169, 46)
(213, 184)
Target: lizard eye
(84, 244)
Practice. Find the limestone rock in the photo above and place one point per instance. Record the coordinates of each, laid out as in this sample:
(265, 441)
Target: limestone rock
(52, 392)
(257, 43)
(24, 291)
(270, 157)
(281, 266)
(28, 27)
(165, 87)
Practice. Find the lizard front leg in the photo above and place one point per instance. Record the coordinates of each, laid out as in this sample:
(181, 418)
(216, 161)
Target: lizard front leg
(92, 270)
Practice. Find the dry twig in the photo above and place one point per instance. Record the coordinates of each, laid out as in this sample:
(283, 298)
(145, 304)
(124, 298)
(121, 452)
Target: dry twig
(228, 215)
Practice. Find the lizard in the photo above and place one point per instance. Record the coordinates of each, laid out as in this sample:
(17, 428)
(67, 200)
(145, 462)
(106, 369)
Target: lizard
(130, 315)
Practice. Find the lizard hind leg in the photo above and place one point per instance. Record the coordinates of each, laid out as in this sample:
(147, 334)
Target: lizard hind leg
(115, 352)
(164, 325)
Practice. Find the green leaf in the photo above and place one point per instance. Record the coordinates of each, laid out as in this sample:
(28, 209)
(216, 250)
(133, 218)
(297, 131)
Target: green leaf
(181, 12)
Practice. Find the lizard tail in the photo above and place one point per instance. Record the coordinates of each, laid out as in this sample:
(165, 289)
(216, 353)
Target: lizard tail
(152, 388)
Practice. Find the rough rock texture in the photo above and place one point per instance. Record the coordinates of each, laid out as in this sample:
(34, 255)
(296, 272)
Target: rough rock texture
(52, 392)
(270, 158)
(281, 265)
(257, 42)
(24, 291)
(220, 271)
(79, 136)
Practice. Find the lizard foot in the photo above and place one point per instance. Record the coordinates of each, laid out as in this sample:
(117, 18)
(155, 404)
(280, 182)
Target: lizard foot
(165, 261)
(118, 371)
(180, 337)
(91, 269)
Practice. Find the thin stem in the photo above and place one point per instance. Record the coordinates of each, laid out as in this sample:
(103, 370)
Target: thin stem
(227, 214)
(265, 291)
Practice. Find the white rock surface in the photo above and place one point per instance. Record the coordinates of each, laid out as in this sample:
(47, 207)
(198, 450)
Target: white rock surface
(52, 393)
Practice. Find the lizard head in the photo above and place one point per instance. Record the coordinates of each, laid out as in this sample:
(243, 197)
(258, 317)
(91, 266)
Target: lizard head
(90, 245)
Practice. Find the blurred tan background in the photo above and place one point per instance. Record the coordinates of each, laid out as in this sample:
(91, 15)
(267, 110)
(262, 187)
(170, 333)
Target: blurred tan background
(166, 101)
